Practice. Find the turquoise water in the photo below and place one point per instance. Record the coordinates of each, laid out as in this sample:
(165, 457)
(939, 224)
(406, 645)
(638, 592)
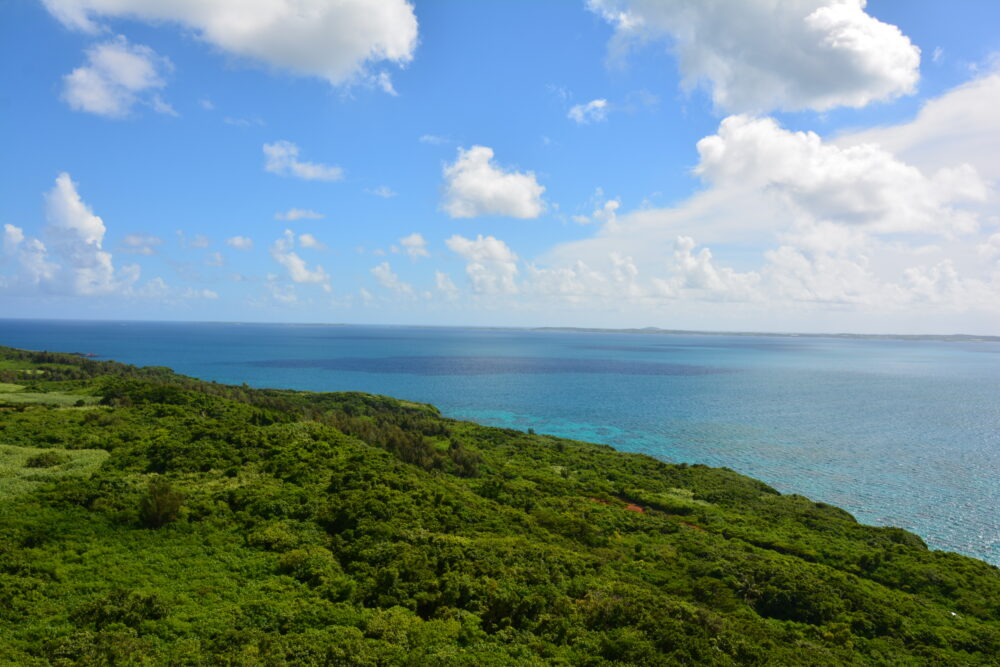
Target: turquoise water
(897, 432)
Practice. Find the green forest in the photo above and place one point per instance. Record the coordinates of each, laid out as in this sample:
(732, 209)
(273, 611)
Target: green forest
(152, 518)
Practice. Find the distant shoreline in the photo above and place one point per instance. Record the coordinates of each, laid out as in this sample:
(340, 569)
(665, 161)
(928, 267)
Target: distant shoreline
(954, 338)
(947, 338)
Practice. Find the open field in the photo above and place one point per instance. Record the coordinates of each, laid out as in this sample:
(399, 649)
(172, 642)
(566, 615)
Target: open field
(18, 478)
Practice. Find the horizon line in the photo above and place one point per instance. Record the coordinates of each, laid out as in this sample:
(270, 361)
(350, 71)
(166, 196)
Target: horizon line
(965, 337)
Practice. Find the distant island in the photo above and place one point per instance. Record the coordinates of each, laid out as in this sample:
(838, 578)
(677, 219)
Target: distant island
(686, 332)
(148, 517)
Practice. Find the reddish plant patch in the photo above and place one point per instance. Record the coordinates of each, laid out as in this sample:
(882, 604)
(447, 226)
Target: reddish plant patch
(693, 527)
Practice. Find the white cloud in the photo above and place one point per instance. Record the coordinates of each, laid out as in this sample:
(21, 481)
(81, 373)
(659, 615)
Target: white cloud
(386, 278)
(990, 248)
(384, 81)
(961, 126)
(575, 283)
(73, 260)
(117, 76)
(415, 245)
(433, 139)
(895, 224)
(699, 272)
(13, 237)
(476, 186)
(383, 191)
(490, 264)
(336, 41)
(77, 235)
(294, 214)
(31, 256)
(283, 159)
(310, 241)
(283, 252)
(191, 293)
(593, 111)
(758, 55)
(240, 242)
(859, 185)
(215, 259)
(243, 122)
(140, 244)
(608, 213)
(199, 241)
(446, 285)
(65, 210)
(160, 106)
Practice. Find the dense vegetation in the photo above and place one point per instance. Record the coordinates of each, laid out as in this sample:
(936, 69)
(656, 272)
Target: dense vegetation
(147, 517)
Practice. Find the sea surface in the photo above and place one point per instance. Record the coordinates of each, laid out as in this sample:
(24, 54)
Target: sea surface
(897, 432)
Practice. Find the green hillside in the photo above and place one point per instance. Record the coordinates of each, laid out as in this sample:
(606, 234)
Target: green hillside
(151, 518)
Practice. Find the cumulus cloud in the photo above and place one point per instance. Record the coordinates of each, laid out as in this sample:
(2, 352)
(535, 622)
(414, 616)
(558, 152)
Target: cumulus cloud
(283, 252)
(860, 185)
(758, 55)
(310, 241)
(140, 244)
(490, 264)
(593, 111)
(71, 260)
(961, 126)
(868, 227)
(607, 214)
(33, 264)
(77, 234)
(116, 77)
(698, 271)
(383, 191)
(445, 285)
(13, 237)
(414, 245)
(569, 283)
(294, 214)
(475, 186)
(240, 242)
(283, 159)
(341, 42)
(388, 279)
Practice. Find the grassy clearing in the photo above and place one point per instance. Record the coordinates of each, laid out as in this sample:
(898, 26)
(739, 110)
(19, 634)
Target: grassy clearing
(56, 398)
(15, 393)
(17, 478)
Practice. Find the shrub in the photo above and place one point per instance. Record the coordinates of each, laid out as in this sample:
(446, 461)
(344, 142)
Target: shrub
(160, 505)
(121, 605)
(45, 460)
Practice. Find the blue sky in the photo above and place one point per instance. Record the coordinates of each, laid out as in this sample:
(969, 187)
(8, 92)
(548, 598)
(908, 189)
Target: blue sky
(809, 165)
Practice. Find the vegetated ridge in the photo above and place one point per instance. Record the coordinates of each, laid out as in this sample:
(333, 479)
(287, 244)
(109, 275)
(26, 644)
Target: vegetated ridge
(151, 518)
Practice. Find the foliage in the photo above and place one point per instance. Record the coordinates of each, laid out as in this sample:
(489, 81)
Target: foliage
(46, 459)
(160, 505)
(295, 528)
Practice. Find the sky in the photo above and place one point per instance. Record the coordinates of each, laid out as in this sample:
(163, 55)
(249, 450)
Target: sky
(767, 165)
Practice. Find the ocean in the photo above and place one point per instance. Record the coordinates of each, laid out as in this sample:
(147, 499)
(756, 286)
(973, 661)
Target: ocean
(897, 432)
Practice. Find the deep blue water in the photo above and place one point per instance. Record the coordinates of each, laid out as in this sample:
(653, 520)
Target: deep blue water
(903, 433)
